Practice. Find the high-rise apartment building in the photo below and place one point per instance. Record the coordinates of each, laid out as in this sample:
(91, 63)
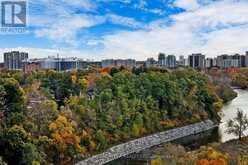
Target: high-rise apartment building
(197, 61)
(161, 60)
(233, 61)
(15, 60)
(182, 61)
(171, 61)
(209, 63)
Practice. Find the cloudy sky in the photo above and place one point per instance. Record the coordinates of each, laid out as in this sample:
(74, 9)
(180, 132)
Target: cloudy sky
(97, 29)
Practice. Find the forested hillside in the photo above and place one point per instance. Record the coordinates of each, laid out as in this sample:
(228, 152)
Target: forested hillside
(58, 118)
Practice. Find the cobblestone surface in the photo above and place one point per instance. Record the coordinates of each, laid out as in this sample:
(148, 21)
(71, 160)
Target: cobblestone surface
(140, 144)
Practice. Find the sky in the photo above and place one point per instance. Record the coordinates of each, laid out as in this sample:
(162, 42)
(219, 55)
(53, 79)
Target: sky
(137, 29)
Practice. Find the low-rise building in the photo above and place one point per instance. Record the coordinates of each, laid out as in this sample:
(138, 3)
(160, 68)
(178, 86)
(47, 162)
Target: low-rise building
(128, 63)
(150, 62)
(30, 66)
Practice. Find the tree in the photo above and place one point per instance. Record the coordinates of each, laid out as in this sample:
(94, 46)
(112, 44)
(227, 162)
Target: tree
(65, 139)
(12, 101)
(17, 147)
(42, 114)
(238, 125)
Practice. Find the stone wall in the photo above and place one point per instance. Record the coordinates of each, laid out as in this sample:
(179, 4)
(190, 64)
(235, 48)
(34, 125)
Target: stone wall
(140, 144)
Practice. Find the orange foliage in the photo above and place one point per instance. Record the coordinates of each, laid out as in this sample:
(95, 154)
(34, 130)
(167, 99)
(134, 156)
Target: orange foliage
(168, 123)
(202, 162)
(91, 78)
(212, 162)
(218, 162)
(105, 70)
(63, 134)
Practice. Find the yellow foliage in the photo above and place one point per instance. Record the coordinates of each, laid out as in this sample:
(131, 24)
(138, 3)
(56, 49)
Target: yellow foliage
(83, 82)
(157, 162)
(74, 78)
(92, 145)
(212, 154)
(64, 135)
(218, 105)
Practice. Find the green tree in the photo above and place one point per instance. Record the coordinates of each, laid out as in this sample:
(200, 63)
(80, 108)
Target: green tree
(17, 147)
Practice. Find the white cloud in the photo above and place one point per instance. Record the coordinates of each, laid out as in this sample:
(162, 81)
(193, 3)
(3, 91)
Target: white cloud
(125, 21)
(187, 4)
(212, 27)
(219, 27)
(65, 29)
(85, 4)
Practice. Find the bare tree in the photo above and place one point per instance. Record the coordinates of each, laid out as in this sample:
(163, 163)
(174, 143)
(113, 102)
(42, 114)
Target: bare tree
(238, 125)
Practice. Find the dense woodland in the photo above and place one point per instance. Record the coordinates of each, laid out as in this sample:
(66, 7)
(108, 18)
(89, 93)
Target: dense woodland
(240, 79)
(48, 117)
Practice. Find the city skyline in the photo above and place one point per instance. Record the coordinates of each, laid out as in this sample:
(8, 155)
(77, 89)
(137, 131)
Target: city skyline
(101, 29)
(16, 60)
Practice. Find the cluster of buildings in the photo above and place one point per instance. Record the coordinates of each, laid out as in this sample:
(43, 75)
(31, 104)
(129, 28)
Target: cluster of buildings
(199, 61)
(16, 60)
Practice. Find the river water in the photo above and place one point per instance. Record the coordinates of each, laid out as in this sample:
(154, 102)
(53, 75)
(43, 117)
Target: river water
(229, 112)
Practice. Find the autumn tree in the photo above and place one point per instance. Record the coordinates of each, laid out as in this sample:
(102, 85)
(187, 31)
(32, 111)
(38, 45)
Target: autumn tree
(65, 139)
(238, 125)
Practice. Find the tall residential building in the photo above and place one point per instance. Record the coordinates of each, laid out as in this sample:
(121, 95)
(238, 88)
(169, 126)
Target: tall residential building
(171, 61)
(197, 61)
(182, 61)
(215, 62)
(246, 59)
(161, 60)
(15, 60)
(209, 63)
(234, 61)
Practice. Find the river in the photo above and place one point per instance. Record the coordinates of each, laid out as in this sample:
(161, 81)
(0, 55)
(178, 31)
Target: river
(229, 112)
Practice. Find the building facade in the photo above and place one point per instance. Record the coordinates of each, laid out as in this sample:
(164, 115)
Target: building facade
(209, 63)
(128, 63)
(171, 61)
(182, 62)
(231, 61)
(162, 60)
(197, 61)
(150, 62)
(15, 60)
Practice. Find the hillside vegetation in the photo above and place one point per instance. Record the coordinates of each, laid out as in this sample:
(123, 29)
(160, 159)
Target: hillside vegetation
(48, 117)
